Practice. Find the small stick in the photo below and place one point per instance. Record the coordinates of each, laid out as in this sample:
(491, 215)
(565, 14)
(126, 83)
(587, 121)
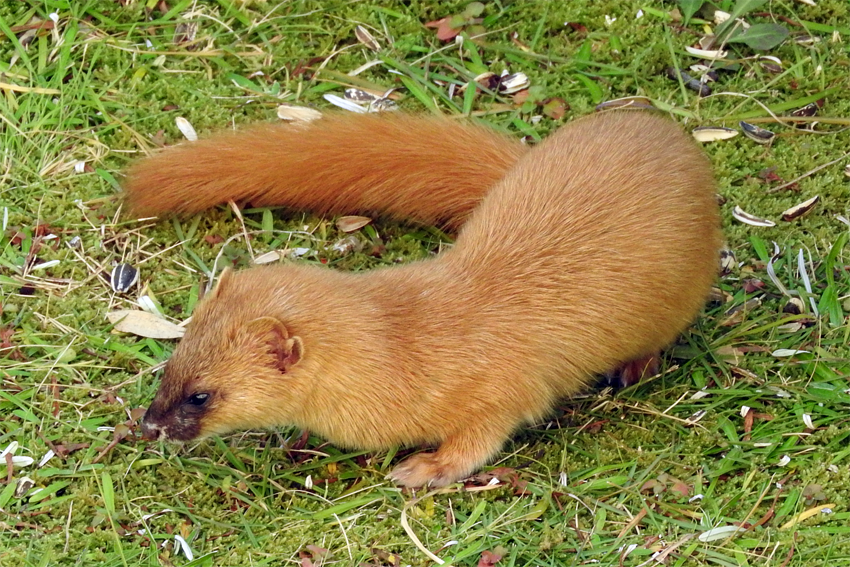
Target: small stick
(808, 173)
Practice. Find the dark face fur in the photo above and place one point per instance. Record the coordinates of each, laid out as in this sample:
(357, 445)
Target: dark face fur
(177, 411)
(227, 372)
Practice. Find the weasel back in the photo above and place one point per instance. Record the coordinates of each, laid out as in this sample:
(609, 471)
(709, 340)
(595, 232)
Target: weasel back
(603, 241)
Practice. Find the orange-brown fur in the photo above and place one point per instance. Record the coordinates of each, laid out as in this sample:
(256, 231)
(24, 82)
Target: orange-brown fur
(403, 166)
(598, 247)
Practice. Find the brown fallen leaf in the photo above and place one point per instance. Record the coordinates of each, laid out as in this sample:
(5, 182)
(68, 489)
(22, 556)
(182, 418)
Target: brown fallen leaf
(121, 431)
(555, 108)
(447, 28)
(489, 559)
(144, 324)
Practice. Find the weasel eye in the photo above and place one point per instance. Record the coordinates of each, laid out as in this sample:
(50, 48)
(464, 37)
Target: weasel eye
(197, 400)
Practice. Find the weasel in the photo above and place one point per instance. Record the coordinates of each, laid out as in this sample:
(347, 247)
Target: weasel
(594, 248)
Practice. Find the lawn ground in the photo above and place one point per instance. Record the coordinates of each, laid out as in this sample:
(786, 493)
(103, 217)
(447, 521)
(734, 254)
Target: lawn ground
(740, 431)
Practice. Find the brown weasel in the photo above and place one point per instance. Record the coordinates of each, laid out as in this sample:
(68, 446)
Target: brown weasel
(596, 247)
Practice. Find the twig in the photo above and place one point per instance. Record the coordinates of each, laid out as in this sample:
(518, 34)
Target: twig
(238, 214)
(808, 173)
(412, 535)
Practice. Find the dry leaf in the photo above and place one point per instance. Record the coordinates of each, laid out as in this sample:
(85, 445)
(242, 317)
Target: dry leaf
(144, 324)
(555, 108)
(489, 559)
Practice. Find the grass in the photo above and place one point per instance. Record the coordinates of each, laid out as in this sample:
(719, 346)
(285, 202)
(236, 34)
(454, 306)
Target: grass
(728, 434)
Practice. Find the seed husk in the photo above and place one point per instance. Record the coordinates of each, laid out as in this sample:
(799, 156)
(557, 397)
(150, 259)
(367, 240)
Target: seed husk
(487, 79)
(803, 208)
(690, 82)
(728, 262)
(186, 129)
(364, 37)
(707, 74)
(707, 53)
(513, 83)
(741, 215)
(641, 102)
(351, 223)
(268, 257)
(795, 306)
(756, 133)
(806, 39)
(23, 486)
(358, 95)
(720, 16)
(347, 245)
(292, 113)
(185, 32)
(809, 110)
(344, 103)
(383, 105)
(713, 133)
(124, 276)
(771, 67)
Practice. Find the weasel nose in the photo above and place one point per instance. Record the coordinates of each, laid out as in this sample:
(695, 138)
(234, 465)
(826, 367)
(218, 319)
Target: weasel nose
(150, 431)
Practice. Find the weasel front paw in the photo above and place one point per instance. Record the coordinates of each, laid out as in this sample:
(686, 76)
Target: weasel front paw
(423, 469)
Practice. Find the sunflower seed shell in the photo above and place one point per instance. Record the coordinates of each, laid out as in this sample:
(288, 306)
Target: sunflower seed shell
(752, 220)
(626, 102)
(186, 129)
(351, 223)
(513, 83)
(755, 133)
(124, 276)
(707, 53)
(364, 37)
(713, 133)
(292, 113)
(803, 208)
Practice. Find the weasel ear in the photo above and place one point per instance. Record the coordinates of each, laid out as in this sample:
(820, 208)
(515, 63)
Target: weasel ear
(287, 351)
(223, 283)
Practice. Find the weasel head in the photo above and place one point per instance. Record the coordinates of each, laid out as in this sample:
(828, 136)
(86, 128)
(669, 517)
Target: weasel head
(233, 369)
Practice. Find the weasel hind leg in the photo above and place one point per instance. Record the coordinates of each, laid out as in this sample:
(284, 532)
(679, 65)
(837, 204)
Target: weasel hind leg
(631, 372)
(457, 457)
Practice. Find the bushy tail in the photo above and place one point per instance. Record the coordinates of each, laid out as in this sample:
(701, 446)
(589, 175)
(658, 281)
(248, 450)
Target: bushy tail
(428, 169)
